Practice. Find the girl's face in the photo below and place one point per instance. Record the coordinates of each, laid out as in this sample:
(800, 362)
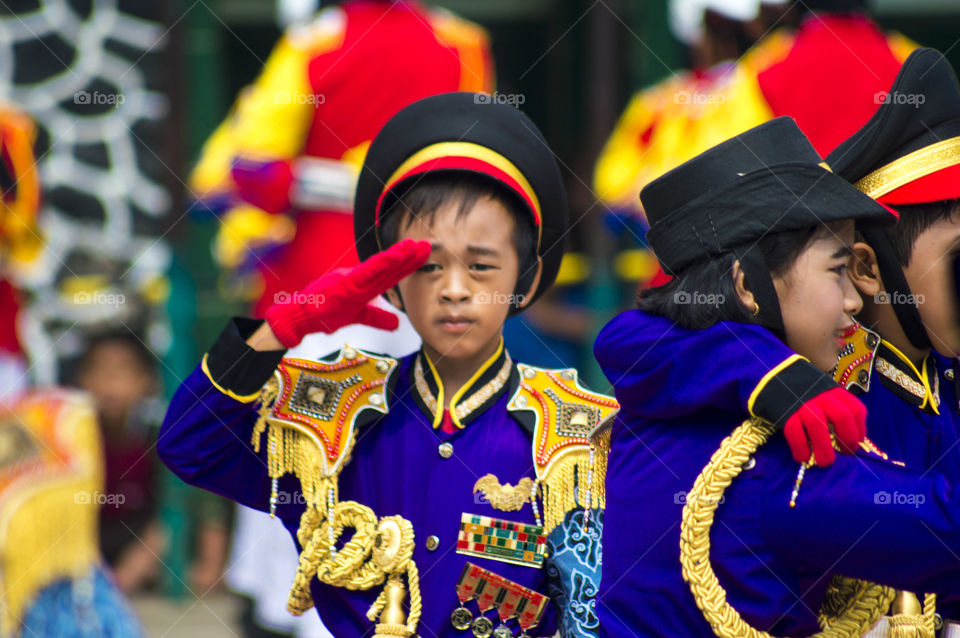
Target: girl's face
(817, 298)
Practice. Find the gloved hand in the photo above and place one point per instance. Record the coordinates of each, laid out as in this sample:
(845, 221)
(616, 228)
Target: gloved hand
(265, 185)
(808, 428)
(342, 297)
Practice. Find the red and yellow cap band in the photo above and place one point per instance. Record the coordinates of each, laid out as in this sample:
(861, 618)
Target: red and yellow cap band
(470, 157)
(929, 174)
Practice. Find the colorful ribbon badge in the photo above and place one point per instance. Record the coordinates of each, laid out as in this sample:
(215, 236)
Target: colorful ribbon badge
(492, 590)
(497, 539)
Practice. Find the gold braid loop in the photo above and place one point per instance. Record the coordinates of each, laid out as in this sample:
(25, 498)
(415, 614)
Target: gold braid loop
(348, 567)
(853, 606)
(844, 596)
(394, 555)
(380, 549)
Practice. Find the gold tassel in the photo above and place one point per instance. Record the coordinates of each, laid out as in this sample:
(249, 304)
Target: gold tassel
(601, 442)
(49, 522)
(907, 626)
(291, 452)
(908, 619)
(565, 487)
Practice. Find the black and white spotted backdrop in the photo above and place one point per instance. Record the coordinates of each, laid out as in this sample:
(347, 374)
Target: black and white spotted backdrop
(91, 74)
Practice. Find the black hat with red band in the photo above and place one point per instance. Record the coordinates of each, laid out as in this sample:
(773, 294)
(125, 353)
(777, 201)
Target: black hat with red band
(467, 132)
(908, 153)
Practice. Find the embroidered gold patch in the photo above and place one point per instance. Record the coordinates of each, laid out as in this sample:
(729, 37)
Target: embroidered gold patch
(506, 498)
(855, 362)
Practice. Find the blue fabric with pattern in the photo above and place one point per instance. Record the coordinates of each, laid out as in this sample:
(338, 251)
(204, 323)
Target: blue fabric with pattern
(573, 568)
(81, 608)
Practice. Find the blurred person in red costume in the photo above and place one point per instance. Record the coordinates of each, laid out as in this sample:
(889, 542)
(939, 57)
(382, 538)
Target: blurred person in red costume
(282, 167)
(20, 242)
(749, 66)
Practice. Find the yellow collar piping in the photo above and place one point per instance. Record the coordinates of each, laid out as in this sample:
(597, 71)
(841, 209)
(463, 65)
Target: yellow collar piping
(460, 409)
(931, 396)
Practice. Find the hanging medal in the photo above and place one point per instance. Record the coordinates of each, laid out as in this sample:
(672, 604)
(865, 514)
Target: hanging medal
(466, 587)
(492, 590)
(529, 609)
(482, 626)
(506, 608)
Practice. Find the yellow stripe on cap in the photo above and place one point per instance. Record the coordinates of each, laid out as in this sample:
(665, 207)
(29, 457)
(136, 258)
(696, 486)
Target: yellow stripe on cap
(474, 151)
(911, 167)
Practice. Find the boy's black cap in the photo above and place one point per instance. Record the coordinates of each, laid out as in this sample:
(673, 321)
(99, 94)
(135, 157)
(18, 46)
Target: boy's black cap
(909, 151)
(465, 132)
(768, 179)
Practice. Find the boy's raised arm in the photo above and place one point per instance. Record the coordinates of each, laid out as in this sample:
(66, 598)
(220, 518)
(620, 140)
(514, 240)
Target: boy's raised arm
(206, 434)
(205, 437)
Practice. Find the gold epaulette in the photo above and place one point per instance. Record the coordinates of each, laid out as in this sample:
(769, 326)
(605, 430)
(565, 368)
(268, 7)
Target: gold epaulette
(855, 363)
(319, 403)
(570, 440)
(310, 410)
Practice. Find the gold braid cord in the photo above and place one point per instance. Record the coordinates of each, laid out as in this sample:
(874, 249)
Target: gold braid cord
(851, 608)
(379, 550)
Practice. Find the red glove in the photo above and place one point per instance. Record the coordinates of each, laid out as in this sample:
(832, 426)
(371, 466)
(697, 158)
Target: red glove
(266, 185)
(808, 429)
(342, 297)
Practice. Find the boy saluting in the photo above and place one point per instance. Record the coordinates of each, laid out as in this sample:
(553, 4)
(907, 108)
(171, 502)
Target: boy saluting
(460, 217)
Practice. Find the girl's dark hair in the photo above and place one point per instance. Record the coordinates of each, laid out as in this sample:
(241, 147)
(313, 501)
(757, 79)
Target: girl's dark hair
(704, 294)
(422, 199)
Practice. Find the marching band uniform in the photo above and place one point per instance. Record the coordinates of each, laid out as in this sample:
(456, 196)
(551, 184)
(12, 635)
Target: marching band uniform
(769, 553)
(359, 435)
(913, 416)
(282, 169)
(908, 154)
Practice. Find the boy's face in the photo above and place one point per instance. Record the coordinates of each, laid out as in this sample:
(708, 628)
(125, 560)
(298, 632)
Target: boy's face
(930, 274)
(117, 379)
(817, 298)
(460, 298)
